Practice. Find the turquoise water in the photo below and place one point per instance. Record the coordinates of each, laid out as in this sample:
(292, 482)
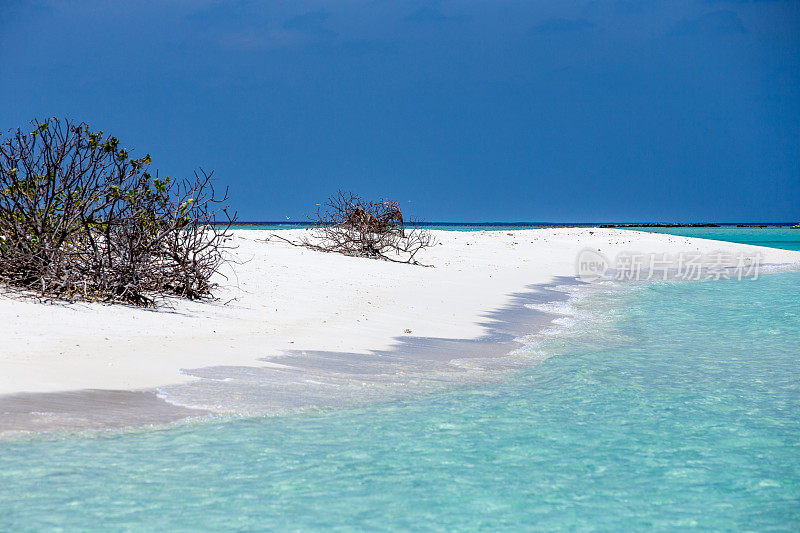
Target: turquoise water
(668, 406)
(787, 238)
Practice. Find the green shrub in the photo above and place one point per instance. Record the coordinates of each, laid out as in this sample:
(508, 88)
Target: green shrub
(80, 217)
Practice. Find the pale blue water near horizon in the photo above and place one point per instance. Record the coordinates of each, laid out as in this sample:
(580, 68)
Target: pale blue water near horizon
(787, 238)
(665, 406)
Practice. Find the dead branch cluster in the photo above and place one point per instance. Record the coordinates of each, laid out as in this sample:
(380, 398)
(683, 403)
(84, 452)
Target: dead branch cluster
(81, 218)
(349, 225)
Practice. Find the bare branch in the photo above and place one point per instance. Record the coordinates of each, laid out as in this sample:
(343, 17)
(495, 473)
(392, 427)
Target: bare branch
(348, 225)
(80, 218)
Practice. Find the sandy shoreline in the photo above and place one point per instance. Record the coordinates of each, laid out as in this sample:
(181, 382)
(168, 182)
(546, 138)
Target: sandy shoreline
(298, 379)
(281, 301)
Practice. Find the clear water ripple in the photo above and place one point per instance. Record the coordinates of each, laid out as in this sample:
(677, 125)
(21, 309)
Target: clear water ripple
(680, 411)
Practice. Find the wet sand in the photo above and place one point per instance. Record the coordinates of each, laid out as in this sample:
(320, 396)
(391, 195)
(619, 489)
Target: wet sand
(88, 409)
(294, 381)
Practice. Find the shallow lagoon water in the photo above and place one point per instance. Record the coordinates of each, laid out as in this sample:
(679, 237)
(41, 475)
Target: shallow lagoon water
(784, 237)
(668, 406)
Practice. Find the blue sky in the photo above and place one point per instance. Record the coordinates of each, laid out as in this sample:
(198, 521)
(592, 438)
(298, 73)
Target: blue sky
(600, 110)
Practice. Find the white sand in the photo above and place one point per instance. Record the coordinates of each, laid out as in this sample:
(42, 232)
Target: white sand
(286, 298)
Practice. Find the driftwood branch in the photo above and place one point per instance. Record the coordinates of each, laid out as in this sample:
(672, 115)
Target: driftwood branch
(349, 225)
